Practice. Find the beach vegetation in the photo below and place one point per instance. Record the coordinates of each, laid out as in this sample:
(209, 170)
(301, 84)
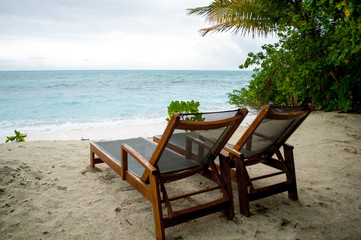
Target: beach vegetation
(316, 60)
(19, 137)
(185, 107)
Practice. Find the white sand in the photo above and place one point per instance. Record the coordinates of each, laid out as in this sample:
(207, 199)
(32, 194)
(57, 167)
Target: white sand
(47, 190)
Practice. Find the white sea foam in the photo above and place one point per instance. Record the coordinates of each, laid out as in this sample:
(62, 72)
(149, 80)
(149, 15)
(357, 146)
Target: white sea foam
(31, 126)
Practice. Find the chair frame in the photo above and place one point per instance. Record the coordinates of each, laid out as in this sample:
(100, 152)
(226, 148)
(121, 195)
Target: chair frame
(152, 183)
(284, 163)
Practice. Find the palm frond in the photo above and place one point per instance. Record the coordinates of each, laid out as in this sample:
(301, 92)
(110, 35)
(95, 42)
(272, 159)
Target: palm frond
(241, 16)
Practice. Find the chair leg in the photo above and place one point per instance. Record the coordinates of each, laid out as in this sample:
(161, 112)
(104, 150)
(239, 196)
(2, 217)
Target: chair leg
(291, 173)
(241, 179)
(157, 207)
(225, 174)
(92, 161)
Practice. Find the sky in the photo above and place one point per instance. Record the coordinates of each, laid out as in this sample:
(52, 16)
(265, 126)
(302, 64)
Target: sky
(115, 35)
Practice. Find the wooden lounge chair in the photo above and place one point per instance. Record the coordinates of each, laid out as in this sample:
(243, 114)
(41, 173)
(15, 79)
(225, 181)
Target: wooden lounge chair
(261, 143)
(148, 166)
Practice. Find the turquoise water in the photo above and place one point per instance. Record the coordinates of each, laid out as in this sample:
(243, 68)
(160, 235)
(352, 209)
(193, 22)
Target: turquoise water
(38, 101)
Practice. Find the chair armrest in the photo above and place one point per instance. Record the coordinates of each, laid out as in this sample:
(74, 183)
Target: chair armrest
(144, 162)
(233, 152)
(201, 146)
(208, 139)
(198, 141)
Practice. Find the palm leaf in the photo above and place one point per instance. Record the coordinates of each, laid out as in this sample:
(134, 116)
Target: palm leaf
(242, 16)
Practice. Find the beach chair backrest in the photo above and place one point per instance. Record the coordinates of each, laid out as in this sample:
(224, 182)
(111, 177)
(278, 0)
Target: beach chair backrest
(201, 136)
(271, 129)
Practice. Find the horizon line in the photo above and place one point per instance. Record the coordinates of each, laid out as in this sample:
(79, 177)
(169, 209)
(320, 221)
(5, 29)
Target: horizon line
(59, 70)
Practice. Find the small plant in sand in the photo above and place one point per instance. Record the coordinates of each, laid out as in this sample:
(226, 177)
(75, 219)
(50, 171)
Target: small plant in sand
(19, 137)
(185, 107)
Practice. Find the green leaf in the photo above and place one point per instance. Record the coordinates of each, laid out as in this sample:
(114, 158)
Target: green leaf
(183, 107)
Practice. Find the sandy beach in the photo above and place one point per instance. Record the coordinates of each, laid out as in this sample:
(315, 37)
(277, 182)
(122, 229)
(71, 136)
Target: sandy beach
(48, 191)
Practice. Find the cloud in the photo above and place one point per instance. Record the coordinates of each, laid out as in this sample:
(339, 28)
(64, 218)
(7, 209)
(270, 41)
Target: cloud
(113, 34)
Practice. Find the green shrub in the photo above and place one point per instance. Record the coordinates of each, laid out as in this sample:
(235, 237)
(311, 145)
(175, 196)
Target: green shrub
(19, 137)
(317, 60)
(184, 107)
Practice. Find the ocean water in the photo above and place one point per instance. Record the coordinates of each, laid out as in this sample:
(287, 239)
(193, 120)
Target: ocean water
(45, 101)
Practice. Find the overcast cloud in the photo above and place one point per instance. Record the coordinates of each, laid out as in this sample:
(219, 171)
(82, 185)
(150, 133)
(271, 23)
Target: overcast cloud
(114, 34)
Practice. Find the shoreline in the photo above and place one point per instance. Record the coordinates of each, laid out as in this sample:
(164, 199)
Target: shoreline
(123, 132)
(104, 133)
(48, 191)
